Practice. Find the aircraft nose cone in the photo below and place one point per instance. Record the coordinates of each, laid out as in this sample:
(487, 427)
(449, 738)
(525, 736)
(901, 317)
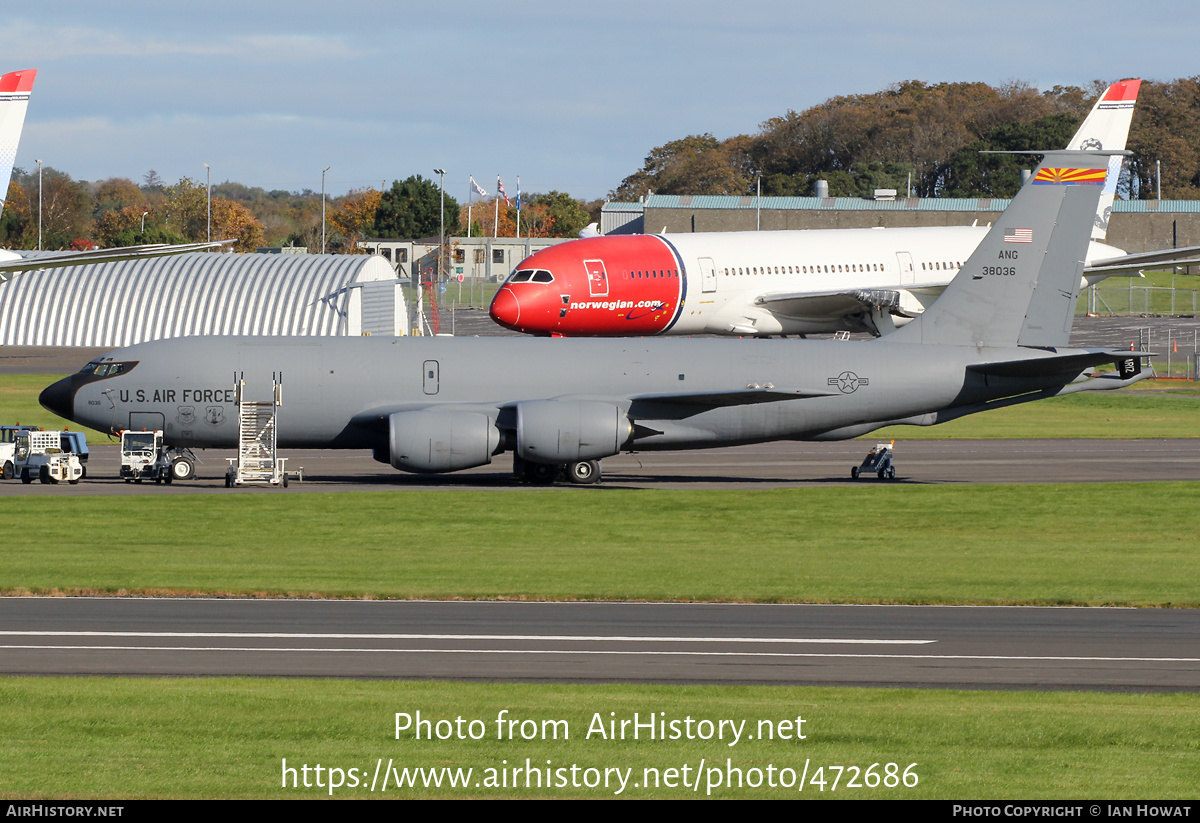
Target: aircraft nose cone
(60, 398)
(505, 309)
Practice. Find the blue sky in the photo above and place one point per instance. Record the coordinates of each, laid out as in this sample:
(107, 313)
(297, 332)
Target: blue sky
(570, 96)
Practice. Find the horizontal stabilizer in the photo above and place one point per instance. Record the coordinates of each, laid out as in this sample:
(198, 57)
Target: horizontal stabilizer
(1059, 364)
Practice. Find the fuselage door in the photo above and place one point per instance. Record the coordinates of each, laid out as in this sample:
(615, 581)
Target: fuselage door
(908, 273)
(430, 376)
(708, 275)
(597, 278)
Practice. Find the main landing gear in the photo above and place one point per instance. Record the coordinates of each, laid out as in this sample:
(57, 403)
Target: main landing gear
(582, 473)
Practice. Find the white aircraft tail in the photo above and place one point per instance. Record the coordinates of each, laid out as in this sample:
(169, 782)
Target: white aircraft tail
(1106, 128)
(1019, 287)
(14, 99)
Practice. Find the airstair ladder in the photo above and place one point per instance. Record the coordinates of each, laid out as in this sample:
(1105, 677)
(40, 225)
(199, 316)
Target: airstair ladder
(257, 460)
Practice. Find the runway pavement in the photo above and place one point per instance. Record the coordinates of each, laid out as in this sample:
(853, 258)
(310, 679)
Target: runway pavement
(1023, 648)
(765, 465)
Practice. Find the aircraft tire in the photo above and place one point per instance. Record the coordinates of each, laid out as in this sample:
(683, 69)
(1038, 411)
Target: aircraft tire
(9, 471)
(891, 473)
(285, 481)
(584, 473)
(168, 478)
(74, 482)
(854, 472)
(182, 469)
(882, 474)
(43, 475)
(26, 477)
(228, 482)
(541, 474)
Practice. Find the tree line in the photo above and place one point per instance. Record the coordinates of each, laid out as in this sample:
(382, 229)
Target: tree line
(929, 135)
(77, 214)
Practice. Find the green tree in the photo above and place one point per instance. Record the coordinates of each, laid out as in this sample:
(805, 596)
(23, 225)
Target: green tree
(65, 208)
(566, 214)
(413, 209)
(696, 164)
(967, 173)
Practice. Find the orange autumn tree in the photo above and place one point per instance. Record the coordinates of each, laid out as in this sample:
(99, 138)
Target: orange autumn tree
(353, 219)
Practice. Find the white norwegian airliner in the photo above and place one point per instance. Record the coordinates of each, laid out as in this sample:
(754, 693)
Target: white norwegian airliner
(15, 88)
(783, 282)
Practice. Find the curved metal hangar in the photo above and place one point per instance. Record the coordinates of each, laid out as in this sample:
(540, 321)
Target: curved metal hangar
(120, 304)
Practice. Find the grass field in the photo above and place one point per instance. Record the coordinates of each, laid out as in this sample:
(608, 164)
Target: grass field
(182, 738)
(1151, 294)
(1090, 544)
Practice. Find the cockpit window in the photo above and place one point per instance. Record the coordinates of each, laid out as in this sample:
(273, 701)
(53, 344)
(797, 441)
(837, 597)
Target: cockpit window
(531, 275)
(106, 369)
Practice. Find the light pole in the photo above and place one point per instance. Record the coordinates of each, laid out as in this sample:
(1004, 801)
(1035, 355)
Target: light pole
(208, 172)
(39, 162)
(323, 208)
(441, 173)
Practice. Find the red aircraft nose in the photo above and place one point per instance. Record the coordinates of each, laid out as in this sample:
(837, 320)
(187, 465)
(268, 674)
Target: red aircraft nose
(505, 309)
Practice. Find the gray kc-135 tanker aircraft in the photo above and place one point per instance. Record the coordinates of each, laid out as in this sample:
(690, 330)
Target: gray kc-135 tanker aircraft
(996, 337)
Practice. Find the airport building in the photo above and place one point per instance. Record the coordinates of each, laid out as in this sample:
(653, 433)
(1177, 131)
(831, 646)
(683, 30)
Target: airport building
(478, 259)
(118, 304)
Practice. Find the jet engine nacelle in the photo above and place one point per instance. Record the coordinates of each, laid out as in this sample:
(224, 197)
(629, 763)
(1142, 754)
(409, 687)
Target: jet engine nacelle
(429, 441)
(568, 431)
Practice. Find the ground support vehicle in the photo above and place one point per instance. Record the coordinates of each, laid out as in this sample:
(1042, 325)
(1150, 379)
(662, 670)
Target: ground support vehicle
(8, 445)
(51, 456)
(145, 457)
(879, 461)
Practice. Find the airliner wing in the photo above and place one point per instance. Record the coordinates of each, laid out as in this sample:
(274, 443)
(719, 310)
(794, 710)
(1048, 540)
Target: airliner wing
(832, 304)
(80, 258)
(1135, 263)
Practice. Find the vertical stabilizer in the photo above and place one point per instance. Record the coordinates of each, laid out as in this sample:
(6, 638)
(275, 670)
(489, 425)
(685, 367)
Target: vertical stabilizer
(1106, 128)
(1020, 285)
(14, 99)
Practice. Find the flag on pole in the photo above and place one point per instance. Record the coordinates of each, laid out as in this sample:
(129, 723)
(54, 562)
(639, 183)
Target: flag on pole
(478, 189)
(503, 193)
(518, 192)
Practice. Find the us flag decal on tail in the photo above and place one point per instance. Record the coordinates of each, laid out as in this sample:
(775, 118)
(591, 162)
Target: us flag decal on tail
(1018, 235)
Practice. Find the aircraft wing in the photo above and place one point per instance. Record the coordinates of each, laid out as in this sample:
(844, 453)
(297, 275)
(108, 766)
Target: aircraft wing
(836, 303)
(81, 258)
(739, 397)
(1135, 263)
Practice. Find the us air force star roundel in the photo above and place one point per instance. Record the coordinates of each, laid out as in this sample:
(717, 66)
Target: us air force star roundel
(847, 382)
